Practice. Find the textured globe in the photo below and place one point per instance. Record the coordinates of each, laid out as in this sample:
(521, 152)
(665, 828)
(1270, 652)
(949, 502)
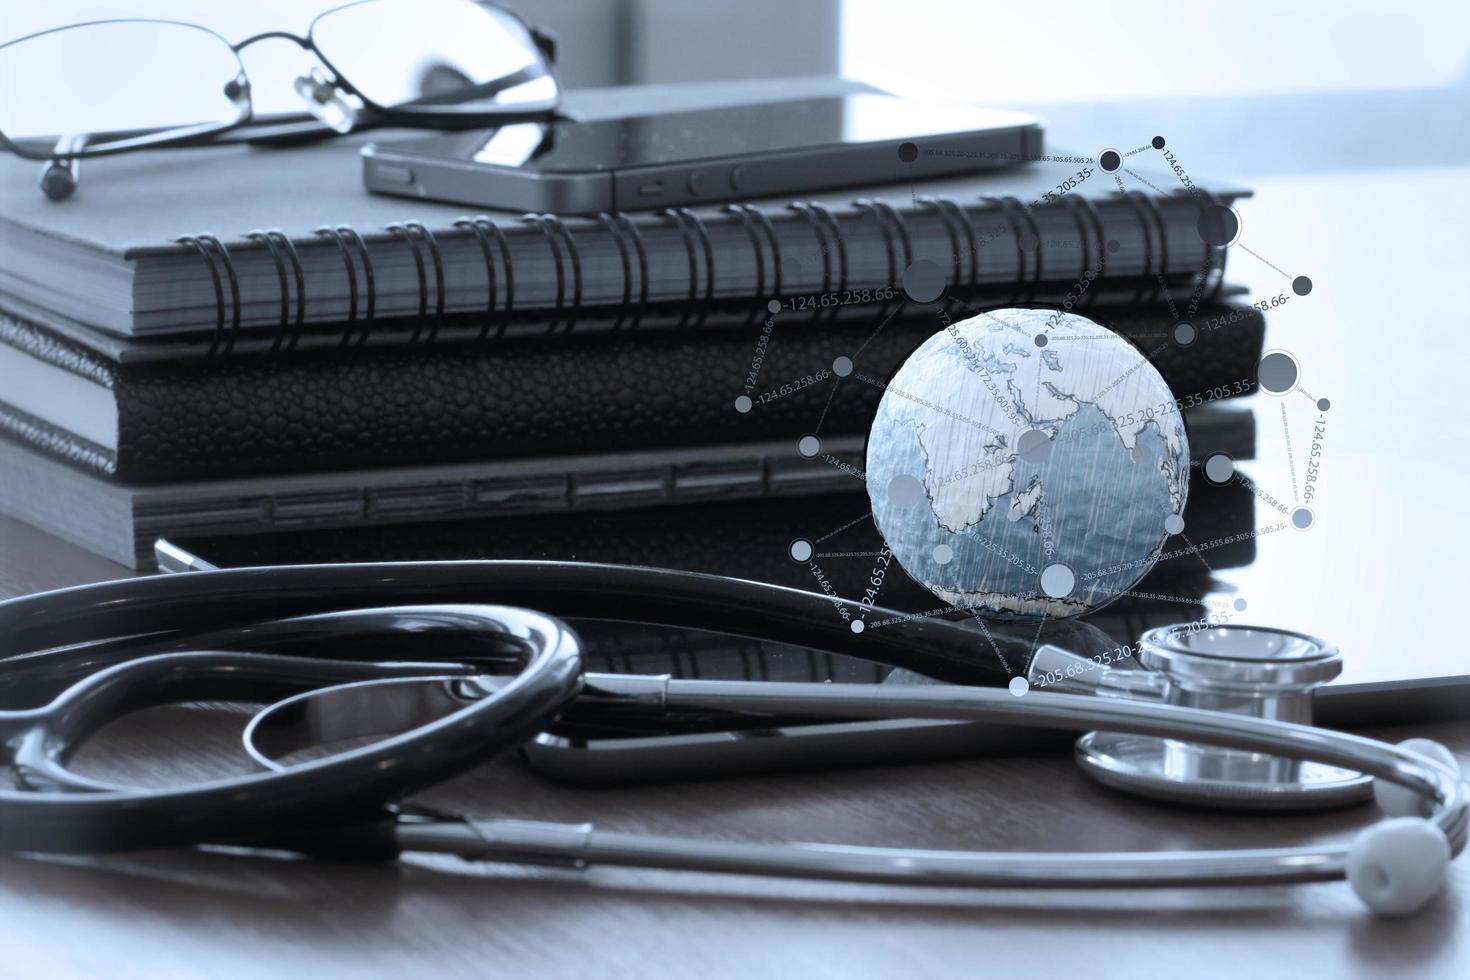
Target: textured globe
(1027, 463)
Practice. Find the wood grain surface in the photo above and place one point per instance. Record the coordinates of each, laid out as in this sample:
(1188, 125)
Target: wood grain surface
(208, 914)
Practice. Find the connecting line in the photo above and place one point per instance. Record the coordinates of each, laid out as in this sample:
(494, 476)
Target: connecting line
(1307, 394)
(1144, 180)
(1182, 552)
(985, 628)
(1036, 641)
(1269, 499)
(907, 617)
(927, 404)
(855, 520)
(1202, 277)
(1183, 600)
(836, 380)
(1197, 554)
(1168, 298)
(1241, 246)
(1290, 459)
(1121, 378)
(896, 310)
(847, 468)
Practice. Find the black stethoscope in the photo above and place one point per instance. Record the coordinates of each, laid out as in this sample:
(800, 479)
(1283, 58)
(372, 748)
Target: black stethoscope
(409, 658)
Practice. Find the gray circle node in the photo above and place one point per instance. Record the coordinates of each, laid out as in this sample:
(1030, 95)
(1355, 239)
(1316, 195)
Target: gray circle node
(923, 281)
(908, 152)
(1323, 404)
(1218, 225)
(1174, 524)
(1219, 468)
(1239, 605)
(1058, 581)
(774, 306)
(1110, 160)
(743, 404)
(1302, 518)
(801, 550)
(1114, 246)
(858, 626)
(842, 365)
(1018, 686)
(809, 445)
(1034, 446)
(943, 554)
(1184, 334)
(1041, 340)
(1277, 373)
(905, 491)
(1301, 285)
(1028, 241)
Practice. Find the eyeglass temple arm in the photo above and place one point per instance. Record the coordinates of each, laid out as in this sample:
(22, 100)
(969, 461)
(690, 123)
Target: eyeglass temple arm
(546, 43)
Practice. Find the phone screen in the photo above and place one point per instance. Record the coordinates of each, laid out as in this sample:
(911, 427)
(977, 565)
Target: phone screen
(736, 131)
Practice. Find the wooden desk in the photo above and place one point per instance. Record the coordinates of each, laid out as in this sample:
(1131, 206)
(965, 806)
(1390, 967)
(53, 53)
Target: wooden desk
(181, 913)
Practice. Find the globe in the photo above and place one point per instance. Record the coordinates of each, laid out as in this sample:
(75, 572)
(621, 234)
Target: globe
(1027, 464)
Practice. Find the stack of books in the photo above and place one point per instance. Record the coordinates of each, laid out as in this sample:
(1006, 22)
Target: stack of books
(243, 348)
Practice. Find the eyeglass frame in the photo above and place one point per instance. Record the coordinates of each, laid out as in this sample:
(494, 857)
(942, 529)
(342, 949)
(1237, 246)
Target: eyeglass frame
(304, 126)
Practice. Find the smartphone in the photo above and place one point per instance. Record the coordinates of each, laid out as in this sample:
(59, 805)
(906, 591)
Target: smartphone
(679, 158)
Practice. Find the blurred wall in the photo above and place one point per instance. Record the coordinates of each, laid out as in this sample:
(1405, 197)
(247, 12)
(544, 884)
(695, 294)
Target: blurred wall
(601, 42)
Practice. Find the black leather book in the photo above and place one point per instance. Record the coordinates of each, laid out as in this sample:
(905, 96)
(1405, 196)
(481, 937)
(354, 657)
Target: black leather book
(157, 419)
(739, 538)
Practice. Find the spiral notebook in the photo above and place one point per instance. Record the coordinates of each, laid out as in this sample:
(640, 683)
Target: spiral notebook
(234, 245)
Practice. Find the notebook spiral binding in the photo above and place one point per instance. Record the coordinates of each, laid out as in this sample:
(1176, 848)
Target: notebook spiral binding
(966, 240)
(685, 220)
(753, 217)
(484, 230)
(421, 239)
(279, 244)
(1214, 266)
(937, 205)
(840, 243)
(558, 234)
(349, 241)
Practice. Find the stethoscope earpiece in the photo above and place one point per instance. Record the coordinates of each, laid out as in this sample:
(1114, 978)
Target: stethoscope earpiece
(1396, 866)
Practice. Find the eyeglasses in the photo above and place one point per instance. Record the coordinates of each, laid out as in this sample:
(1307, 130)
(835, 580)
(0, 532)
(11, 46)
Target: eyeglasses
(442, 64)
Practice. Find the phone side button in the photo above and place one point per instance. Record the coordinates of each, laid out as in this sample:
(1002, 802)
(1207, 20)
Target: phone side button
(738, 176)
(387, 173)
(697, 183)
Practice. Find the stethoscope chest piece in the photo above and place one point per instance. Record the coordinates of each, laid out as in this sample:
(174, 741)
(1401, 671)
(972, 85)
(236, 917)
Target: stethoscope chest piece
(1263, 673)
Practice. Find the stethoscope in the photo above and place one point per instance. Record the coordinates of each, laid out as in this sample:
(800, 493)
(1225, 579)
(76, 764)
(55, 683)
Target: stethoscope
(404, 677)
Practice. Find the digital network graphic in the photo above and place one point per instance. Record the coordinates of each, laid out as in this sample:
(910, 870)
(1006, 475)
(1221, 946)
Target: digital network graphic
(1030, 464)
(1041, 472)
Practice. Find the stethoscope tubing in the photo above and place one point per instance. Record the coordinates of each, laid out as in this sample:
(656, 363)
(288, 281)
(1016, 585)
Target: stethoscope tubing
(66, 635)
(212, 600)
(584, 844)
(33, 628)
